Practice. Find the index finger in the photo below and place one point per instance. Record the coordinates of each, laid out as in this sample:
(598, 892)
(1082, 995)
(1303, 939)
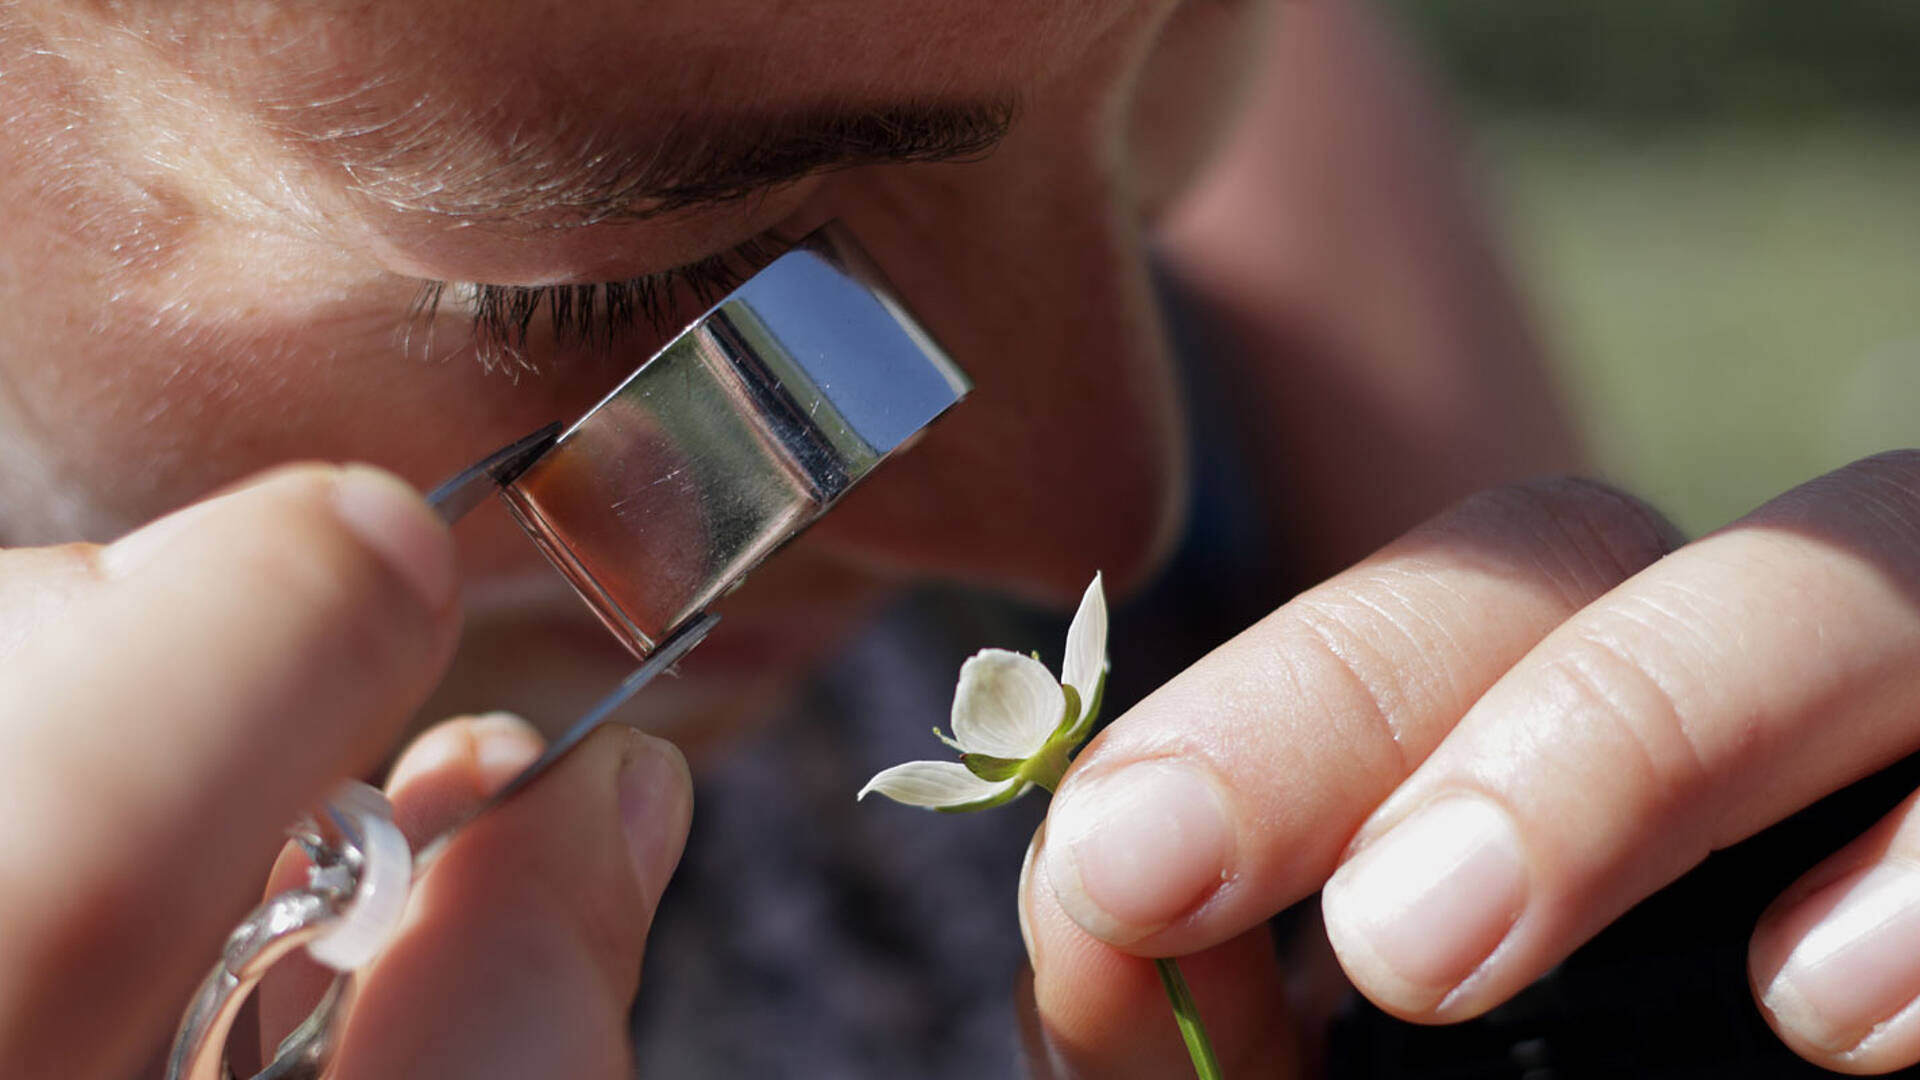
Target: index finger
(1232, 791)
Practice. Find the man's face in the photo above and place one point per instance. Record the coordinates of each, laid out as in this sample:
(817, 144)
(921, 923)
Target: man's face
(221, 220)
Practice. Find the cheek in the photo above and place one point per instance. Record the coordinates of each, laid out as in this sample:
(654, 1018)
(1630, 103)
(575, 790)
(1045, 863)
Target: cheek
(1068, 456)
(162, 403)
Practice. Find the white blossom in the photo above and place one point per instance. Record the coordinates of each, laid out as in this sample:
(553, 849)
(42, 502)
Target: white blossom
(1013, 722)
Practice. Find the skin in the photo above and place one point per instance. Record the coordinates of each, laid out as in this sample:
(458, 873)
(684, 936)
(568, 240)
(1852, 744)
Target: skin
(198, 290)
(232, 320)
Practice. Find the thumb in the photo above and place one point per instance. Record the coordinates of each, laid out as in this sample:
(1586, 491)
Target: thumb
(521, 950)
(167, 704)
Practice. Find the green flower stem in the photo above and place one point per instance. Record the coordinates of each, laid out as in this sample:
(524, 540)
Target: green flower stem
(1046, 768)
(1187, 1015)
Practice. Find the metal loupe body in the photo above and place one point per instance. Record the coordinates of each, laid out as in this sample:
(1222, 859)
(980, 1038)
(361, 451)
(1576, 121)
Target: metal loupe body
(733, 438)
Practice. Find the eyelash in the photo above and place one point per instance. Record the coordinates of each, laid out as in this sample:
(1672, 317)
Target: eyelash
(595, 315)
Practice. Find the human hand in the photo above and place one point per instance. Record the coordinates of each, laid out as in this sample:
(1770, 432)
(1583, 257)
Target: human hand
(168, 703)
(1488, 741)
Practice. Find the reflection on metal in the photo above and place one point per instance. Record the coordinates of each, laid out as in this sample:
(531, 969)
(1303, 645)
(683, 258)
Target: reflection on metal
(733, 438)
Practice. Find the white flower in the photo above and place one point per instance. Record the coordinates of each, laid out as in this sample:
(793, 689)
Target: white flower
(1013, 723)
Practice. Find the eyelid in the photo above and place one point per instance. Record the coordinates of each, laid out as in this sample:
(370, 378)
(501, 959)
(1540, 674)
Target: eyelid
(594, 314)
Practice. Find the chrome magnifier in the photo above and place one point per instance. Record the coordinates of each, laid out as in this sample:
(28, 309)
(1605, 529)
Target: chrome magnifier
(726, 444)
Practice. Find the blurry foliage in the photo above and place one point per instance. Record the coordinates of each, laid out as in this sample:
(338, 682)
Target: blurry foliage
(1711, 204)
(1644, 63)
(1731, 310)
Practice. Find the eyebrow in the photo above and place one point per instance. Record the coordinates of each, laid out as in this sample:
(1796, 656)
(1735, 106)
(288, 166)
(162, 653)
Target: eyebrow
(704, 160)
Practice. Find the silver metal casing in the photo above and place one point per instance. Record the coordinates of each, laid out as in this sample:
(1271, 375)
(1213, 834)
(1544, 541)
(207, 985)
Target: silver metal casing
(733, 438)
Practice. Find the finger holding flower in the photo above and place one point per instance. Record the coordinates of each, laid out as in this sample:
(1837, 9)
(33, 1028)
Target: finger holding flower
(1492, 738)
(1015, 727)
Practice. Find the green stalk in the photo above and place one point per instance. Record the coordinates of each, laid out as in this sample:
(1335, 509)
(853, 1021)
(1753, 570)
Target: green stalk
(1187, 1015)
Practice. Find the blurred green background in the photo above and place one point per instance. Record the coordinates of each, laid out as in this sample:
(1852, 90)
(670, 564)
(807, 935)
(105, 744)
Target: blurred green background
(1714, 206)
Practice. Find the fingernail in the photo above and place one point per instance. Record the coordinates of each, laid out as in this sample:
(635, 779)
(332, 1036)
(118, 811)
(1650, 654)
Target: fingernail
(1128, 852)
(1855, 965)
(494, 746)
(393, 520)
(1420, 908)
(656, 802)
(503, 744)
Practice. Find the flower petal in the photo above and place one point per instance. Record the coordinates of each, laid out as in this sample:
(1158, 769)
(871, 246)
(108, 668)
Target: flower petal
(935, 784)
(1087, 644)
(1006, 704)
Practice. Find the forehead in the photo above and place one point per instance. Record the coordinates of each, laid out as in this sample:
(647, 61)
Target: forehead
(434, 108)
(645, 67)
